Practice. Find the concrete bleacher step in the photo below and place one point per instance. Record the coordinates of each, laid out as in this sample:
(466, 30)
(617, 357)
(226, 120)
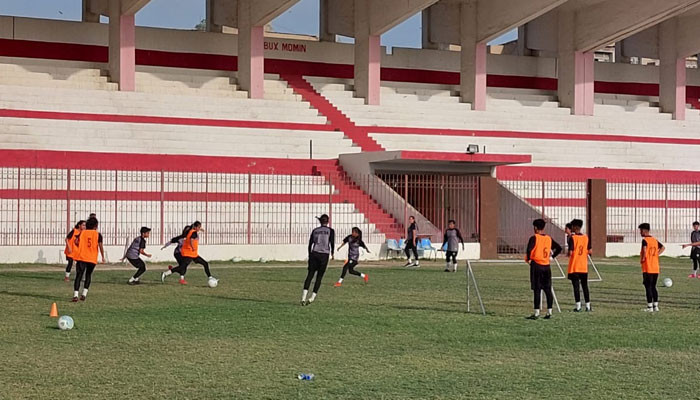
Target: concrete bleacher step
(47, 83)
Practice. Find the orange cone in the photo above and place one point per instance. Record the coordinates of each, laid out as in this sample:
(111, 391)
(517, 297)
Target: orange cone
(54, 311)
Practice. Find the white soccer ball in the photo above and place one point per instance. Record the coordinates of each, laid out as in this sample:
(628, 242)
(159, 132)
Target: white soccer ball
(213, 282)
(236, 259)
(263, 260)
(668, 282)
(65, 323)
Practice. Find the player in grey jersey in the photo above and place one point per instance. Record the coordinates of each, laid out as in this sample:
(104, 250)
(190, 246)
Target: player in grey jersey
(134, 252)
(695, 250)
(452, 239)
(354, 242)
(321, 246)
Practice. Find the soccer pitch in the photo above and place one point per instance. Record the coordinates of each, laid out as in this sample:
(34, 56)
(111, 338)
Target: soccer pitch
(404, 335)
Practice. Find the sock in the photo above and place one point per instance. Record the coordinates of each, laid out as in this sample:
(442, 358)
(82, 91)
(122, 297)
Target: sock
(67, 274)
(303, 295)
(85, 292)
(455, 266)
(182, 277)
(549, 311)
(656, 304)
(132, 279)
(537, 312)
(75, 293)
(588, 306)
(448, 265)
(650, 305)
(578, 305)
(340, 280)
(136, 279)
(168, 273)
(313, 296)
(362, 276)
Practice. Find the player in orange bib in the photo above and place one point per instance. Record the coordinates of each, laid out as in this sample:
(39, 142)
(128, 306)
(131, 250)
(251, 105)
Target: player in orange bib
(88, 244)
(579, 249)
(540, 249)
(190, 254)
(70, 251)
(649, 258)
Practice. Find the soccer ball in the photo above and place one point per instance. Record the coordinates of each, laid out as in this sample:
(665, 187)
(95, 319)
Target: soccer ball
(236, 259)
(668, 282)
(65, 323)
(213, 282)
(263, 260)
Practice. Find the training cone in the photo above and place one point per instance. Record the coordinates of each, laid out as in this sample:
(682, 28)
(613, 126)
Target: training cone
(54, 311)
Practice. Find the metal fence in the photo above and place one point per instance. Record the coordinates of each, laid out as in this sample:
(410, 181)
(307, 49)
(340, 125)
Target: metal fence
(437, 198)
(524, 201)
(669, 207)
(39, 206)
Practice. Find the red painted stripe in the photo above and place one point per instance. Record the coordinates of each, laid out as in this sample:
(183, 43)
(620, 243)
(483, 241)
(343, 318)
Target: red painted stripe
(26, 194)
(530, 135)
(99, 54)
(147, 119)
(159, 162)
(567, 174)
(338, 120)
(617, 203)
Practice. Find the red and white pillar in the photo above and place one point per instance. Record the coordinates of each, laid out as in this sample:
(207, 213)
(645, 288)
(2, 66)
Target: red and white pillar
(122, 47)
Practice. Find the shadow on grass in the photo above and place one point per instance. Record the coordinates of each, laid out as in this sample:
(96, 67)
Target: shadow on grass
(245, 300)
(36, 296)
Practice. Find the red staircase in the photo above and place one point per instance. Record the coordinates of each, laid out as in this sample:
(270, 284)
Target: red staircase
(337, 119)
(348, 191)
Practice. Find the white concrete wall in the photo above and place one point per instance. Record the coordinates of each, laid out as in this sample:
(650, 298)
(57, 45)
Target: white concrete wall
(632, 249)
(296, 252)
(305, 50)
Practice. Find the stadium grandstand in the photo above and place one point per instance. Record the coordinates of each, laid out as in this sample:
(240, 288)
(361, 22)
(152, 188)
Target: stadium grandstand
(593, 112)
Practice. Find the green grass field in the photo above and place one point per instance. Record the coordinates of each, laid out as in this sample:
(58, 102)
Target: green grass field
(405, 335)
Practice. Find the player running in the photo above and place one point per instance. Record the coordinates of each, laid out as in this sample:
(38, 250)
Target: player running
(88, 243)
(133, 253)
(579, 249)
(190, 254)
(540, 248)
(649, 258)
(695, 251)
(178, 241)
(71, 251)
(452, 239)
(354, 242)
(321, 246)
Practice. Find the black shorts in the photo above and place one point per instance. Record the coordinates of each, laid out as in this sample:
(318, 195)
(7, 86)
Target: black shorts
(318, 261)
(540, 276)
(137, 262)
(580, 276)
(695, 253)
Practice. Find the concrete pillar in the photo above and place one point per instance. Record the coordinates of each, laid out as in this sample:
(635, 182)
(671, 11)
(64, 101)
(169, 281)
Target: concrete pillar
(574, 70)
(210, 11)
(88, 15)
(323, 34)
(489, 214)
(122, 47)
(473, 60)
(672, 78)
(596, 216)
(251, 57)
(368, 68)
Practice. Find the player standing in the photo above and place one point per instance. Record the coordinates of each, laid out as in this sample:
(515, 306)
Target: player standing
(695, 251)
(190, 254)
(133, 253)
(452, 239)
(88, 243)
(649, 258)
(411, 246)
(71, 251)
(579, 249)
(321, 246)
(354, 242)
(540, 248)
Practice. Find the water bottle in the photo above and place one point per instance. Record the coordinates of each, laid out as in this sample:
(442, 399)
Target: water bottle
(305, 377)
